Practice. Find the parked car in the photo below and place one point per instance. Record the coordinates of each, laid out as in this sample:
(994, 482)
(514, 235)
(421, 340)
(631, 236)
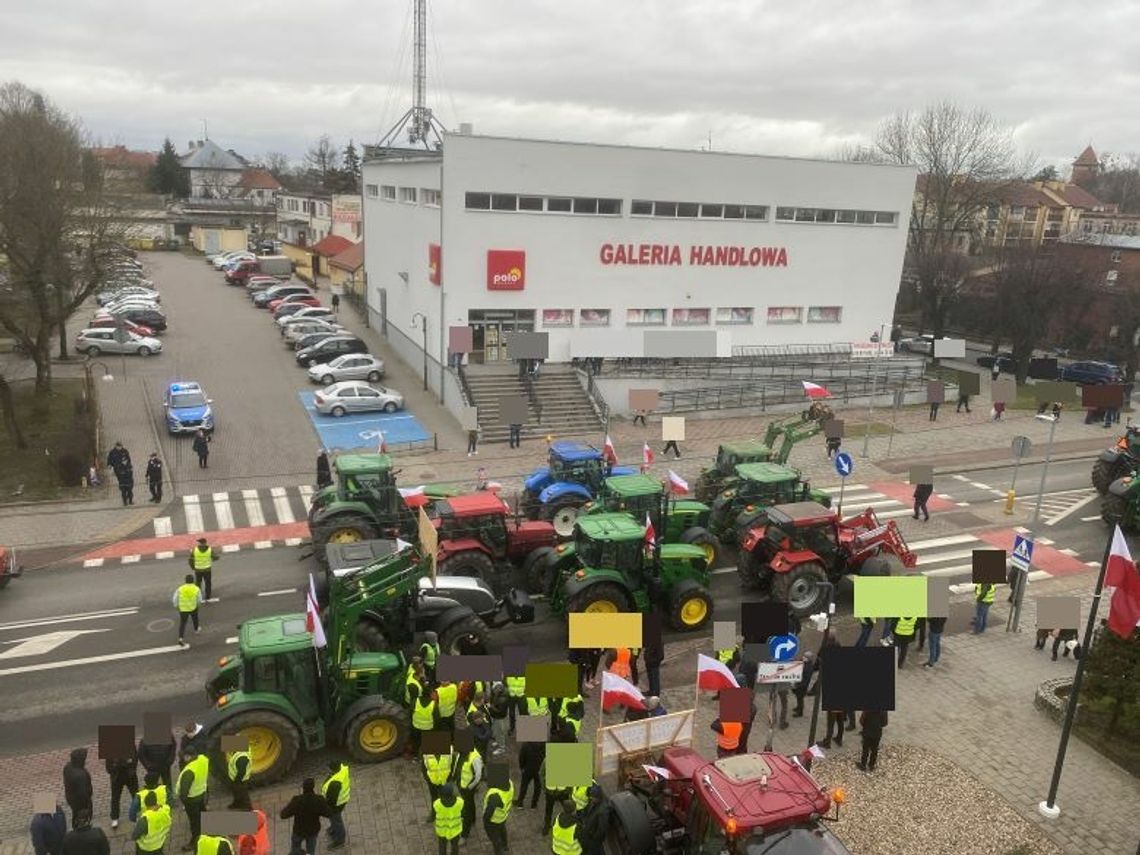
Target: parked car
(273, 265)
(231, 257)
(278, 291)
(354, 397)
(113, 294)
(918, 344)
(152, 318)
(299, 300)
(293, 333)
(309, 312)
(1004, 361)
(330, 349)
(187, 408)
(131, 303)
(353, 366)
(98, 340)
(1090, 373)
(259, 282)
(315, 338)
(110, 321)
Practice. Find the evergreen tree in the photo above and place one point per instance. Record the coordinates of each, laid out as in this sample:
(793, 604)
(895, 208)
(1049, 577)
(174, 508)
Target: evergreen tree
(1112, 681)
(351, 169)
(167, 175)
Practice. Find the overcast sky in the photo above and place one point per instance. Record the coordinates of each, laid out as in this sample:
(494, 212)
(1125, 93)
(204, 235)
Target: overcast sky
(795, 77)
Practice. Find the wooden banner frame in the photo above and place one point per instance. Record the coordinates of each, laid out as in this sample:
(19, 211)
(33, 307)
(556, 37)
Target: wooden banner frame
(636, 738)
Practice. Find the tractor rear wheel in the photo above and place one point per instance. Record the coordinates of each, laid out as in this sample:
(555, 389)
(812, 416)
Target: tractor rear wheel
(883, 564)
(274, 743)
(342, 528)
(690, 609)
(703, 539)
(803, 588)
(604, 598)
(630, 832)
(1114, 510)
(1104, 472)
(378, 732)
(370, 637)
(750, 567)
(467, 636)
(533, 570)
(562, 514)
(470, 562)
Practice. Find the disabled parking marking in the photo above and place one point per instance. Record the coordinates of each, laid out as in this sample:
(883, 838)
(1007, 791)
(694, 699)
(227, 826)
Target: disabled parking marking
(362, 430)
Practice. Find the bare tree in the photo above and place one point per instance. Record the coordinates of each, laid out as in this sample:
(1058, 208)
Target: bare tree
(965, 161)
(276, 163)
(323, 159)
(8, 413)
(55, 223)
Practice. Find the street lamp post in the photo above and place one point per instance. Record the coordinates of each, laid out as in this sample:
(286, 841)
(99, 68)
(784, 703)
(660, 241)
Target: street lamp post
(423, 327)
(1044, 469)
(874, 380)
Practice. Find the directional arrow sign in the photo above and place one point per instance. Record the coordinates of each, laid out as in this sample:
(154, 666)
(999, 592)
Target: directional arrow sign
(783, 648)
(844, 465)
(38, 645)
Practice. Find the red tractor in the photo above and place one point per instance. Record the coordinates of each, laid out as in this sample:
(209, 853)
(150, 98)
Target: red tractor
(738, 805)
(9, 569)
(478, 537)
(804, 547)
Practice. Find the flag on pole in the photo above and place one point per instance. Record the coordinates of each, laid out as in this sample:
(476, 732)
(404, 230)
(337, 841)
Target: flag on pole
(657, 773)
(609, 452)
(414, 497)
(814, 390)
(313, 615)
(712, 675)
(383, 448)
(646, 455)
(650, 534)
(616, 691)
(1121, 574)
(677, 484)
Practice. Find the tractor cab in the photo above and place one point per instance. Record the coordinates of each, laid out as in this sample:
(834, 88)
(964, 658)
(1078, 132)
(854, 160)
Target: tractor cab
(728, 457)
(364, 478)
(573, 476)
(481, 516)
(613, 540)
(804, 525)
(675, 520)
(577, 463)
(757, 486)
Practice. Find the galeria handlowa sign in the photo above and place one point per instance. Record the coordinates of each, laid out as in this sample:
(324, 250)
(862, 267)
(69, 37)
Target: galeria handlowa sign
(670, 255)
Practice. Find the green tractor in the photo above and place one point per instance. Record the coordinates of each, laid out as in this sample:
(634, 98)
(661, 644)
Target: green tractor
(364, 503)
(756, 487)
(1121, 504)
(608, 568)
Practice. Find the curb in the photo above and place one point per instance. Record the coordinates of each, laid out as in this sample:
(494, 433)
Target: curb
(980, 467)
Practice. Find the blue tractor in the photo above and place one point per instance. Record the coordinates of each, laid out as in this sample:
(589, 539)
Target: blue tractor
(573, 476)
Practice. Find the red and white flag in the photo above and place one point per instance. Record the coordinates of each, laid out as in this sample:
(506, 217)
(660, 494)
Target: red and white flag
(657, 773)
(414, 497)
(650, 534)
(1121, 574)
(814, 390)
(383, 446)
(646, 455)
(677, 484)
(713, 675)
(313, 615)
(616, 691)
(609, 452)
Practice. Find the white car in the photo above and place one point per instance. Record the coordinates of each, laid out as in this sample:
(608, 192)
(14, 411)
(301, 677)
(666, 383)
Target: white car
(350, 366)
(227, 257)
(132, 303)
(115, 294)
(307, 313)
(110, 340)
(304, 327)
(339, 399)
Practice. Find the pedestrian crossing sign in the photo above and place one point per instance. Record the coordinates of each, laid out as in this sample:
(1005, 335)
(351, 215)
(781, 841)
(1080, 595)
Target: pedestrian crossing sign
(1022, 555)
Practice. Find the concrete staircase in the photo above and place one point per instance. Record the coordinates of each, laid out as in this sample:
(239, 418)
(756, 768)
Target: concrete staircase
(566, 408)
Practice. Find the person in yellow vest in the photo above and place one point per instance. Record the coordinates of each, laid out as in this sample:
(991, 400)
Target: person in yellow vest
(414, 680)
(581, 795)
(983, 599)
(429, 653)
(516, 697)
(447, 696)
(425, 717)
(497, 804)
(904, 635)
(727, 736)
(469, 776)
(438, 769)
(564, 837)
(153, 826)
(337, 789)
(187, 598)
(209, 844)
(554, 797)
(192, 792)
(728, 656)
(239, 768)
(151, 784)
(202, 558)
(571, 712)
(447, 814)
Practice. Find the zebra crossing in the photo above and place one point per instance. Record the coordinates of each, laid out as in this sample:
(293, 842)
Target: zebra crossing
(1057, 506)
(856, 497)
(208, 512)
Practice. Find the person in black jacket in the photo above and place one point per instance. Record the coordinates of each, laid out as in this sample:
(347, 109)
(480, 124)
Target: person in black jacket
(306, 810)
(158, 758)
(594, 821)
(154, 477)
(654, 651)
(123, 773)
(922, 494)
(873, 722)
(77, 784)
(324, 471)
(531, 757)
(804, 686)
(118, 457)
(48, 831)
(85, 839)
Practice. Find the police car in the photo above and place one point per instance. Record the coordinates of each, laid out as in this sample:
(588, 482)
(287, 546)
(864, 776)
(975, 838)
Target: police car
(187, 408)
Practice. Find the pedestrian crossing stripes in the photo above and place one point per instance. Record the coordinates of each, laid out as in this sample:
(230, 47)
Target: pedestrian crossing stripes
(241, 509)
(856, 497)
(1057, 506)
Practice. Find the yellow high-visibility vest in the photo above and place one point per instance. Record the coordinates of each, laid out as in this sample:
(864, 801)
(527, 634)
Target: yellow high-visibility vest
(988, 597)
(210, 845)
(423, 715)
(448, 694)
(562, 840)
(233, 769)
(537, 706)
(199, 767)
(438, 767)
(408, 683)
(158, 823)
(203, 559)
(516, 686)
(467, 778)
(188, 597)
(499, 815)
(340, 775)
(159, 795)
(905, 626)
(448, 820)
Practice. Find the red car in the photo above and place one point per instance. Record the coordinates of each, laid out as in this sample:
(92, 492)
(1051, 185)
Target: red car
(294, 300)
(112, 321)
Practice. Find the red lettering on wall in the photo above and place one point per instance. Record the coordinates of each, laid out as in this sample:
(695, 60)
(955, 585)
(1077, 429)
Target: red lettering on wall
(658, 254)
(607, 253)
(782, 258)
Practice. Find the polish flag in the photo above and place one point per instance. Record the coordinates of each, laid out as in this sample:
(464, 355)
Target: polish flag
(616, 691)
(650, 534)
(383, 449)
(713, 675)
(1121, 574)
(414, 497)
(814, 390)
(657, 773)
(646, 455)
(677, 484)
(313, 615)
(609, 452)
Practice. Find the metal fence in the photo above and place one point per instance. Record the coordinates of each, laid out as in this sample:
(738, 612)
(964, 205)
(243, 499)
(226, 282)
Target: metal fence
(819, 368)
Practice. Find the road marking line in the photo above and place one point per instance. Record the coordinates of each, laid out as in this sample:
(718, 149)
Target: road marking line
(131, 559)
(944, 496)
(1056, 519)
(1068, 551)
(110, 613)
(980, 486)
(263, 544)
(253, 508)
(962, 504)
(93, 562)
(901, 512)
(306, 491)
(193, 509)
(953, 540)
(945, 556)
(957, 570)
(233, 639)
(1092, 563)
(1044, 541)
(962, 477)
(293, 541)
(164, 555)
(277, 593)
(91, 660)
(1090, 519)
(162, 527)
(281, 505)
(1021, 530)
(231, 547)
(848, 489)
(222, 510)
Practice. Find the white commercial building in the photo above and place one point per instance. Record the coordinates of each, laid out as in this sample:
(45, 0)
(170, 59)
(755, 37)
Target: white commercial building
(600, 245)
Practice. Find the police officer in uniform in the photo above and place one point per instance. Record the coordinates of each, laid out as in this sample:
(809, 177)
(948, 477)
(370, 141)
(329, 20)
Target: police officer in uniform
(447, 814)
(438, 770)
(153, 826)
(202, 562)
(337, 789)
(193, 781)
(496, 809)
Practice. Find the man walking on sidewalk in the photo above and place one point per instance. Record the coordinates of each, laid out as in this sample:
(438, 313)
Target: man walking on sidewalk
(154, 477)
(187, 598)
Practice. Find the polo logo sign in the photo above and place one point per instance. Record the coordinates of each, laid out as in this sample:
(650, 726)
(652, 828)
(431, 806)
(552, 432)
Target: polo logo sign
(506, 269)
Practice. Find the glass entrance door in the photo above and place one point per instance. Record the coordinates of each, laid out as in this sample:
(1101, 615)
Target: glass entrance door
(489, 330)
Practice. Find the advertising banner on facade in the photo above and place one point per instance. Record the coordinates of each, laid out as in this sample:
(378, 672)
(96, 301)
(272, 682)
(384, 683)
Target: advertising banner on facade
(506, 269)
(346, 209)
(872, 349)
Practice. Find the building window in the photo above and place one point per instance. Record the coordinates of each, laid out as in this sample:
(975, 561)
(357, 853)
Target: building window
(756, 212)
(714, 212)
(372, 190)
(1110, 277)
(865, 218)
(504, 202)
(594, 317)
(735, 315)
(645, 317)
(530, 203)
(845, 217)
(785, 314)
(478, 201)
(408, 194)
(429, 197)
(886, 218)
(609, 207)
(585, 206)
(688, 209)
(691, 317)
(664, 209)
(388, 192)
(558, 317)
(785, 213)
(559, 205)
(825, 314)
(641, 208)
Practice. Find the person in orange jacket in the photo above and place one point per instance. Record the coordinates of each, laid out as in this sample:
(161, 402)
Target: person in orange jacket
(258, 842)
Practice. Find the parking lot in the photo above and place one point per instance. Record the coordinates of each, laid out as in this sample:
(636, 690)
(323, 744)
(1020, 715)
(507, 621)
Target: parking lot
(362, 430)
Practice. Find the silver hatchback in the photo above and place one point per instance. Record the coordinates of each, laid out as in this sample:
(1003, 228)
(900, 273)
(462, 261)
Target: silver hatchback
(350, 366)
(353, 397)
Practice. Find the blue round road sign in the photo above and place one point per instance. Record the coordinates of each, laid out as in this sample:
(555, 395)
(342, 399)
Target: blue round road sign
(783, 648)
(844, 465)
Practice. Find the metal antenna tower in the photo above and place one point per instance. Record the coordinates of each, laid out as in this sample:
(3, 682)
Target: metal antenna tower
(422, 126)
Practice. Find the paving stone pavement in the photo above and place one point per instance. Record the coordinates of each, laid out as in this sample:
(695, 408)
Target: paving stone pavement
(976, 710)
